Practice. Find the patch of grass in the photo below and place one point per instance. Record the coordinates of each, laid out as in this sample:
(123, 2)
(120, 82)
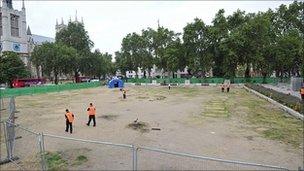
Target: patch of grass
(55, 161)
(80, 160)
(271, 123)
(215, 108)
(185, 91)
(277, 126)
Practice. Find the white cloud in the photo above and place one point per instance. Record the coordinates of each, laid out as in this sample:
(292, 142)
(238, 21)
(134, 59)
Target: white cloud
(108, 22)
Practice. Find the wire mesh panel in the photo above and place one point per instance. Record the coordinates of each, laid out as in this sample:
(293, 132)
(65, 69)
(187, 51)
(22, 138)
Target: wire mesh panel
(157, 159)
(3, 150)
(4, 109)
(26, 149)
(76, 154)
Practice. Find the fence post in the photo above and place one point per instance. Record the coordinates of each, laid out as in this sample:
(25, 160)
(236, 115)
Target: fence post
(134, 150)
(42, 152)
(6, 141)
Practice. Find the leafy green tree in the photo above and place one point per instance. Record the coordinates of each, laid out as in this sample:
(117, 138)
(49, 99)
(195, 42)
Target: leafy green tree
(289, 53)
(147, 52)
(218, 32)
(175, 57)
(120, 63)
(11, 67)
(197, 46)
(77, 37)
(131, 51)
(54, 58)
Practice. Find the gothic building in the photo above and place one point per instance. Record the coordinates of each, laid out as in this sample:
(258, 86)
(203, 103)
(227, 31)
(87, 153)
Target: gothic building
(16, 36)
(61, 26)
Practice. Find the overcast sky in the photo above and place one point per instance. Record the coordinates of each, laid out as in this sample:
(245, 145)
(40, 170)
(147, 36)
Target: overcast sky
(108, 22)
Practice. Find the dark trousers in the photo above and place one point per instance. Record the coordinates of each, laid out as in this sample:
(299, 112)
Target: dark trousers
(124, 96)
(68, 125)
(302, 95)
(223, 89)
(90, 118)
(228, 89)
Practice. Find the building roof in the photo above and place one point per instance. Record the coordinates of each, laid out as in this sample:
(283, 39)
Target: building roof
(37, 39)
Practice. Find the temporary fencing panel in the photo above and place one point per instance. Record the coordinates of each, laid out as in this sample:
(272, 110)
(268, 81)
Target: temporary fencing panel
(46, 89)
(159, 159)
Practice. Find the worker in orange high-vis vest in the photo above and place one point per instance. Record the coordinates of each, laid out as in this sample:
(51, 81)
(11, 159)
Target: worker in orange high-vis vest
(69, 116)
(302, 93)
(91, 112)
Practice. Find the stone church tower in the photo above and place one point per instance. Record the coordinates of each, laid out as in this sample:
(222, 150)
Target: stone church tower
(61, 26)
(13, 28)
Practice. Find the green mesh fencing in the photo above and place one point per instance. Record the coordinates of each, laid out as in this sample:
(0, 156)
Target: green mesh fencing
(46, 89)
(237, 80)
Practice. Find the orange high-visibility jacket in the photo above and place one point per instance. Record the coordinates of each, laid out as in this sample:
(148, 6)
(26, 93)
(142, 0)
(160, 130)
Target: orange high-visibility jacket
(91, 110)
(70, 116)
(302, 90)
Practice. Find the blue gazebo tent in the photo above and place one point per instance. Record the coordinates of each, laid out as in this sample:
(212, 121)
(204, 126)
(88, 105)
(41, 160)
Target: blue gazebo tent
(116, 83)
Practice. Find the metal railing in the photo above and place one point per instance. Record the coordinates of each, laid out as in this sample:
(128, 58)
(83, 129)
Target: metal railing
(240, 164)
(141, 157)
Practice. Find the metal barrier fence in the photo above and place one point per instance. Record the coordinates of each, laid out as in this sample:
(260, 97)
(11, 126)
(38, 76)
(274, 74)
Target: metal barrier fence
(9, 92)
(158, 159)
(38, 151)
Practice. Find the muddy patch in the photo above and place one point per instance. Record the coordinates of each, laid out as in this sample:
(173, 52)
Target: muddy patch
(139, 126)
(158, 97)
(108, 117)
(142, 97)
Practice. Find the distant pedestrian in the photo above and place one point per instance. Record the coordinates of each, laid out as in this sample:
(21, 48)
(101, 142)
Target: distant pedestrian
(228, 87)
(223, 87)
(124, 94)
(169, 86)
(91, 112)
(69, 116)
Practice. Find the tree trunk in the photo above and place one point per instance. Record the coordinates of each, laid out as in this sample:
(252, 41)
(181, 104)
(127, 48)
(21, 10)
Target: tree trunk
(149, 72)
(76, 76)
(264, 77)
(56, 77)
(37, 71)
(281, 75)
(247, 71)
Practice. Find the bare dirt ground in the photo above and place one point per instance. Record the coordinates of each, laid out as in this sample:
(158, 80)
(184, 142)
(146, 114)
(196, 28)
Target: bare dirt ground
(198, 120)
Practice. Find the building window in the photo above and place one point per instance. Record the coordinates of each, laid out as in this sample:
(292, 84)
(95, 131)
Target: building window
(1, 24)
(14, 25)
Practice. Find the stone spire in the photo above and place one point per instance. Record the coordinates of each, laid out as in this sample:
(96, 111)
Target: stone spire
(70, 20)
(28, 32)
(82, 20)
(62, 21)
(76, 16)
(23, 6)
(56, 22)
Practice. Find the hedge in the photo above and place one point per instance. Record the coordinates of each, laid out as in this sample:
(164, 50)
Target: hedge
(285, 99)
